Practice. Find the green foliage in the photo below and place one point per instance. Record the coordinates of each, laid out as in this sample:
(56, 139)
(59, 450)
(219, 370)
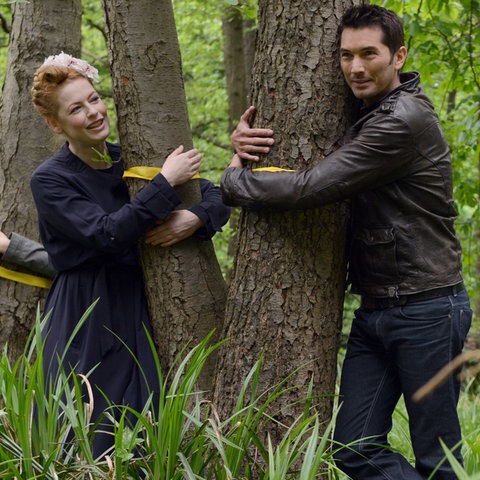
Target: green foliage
(37, 422)
(247, 7)
(199, 28)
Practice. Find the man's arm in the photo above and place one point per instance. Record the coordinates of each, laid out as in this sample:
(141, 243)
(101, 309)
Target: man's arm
(27, 253)
(381, 153)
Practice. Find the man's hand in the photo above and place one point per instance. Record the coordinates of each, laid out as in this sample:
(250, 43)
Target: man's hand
(4, 243)
(179, 225)
(248, 141)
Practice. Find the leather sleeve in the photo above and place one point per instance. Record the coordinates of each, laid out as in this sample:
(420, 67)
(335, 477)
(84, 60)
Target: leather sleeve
(382, 151)
(28, 254)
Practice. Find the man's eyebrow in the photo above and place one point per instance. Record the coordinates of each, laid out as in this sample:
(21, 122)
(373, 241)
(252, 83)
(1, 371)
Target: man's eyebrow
(373, 47)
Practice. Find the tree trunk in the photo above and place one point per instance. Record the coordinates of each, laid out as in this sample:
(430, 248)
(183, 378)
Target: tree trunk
(286, 296)
(39, 29)
(184, 284)
(234, 59)
(249, 44)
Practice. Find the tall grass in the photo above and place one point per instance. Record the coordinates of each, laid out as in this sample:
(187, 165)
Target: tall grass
(46, 431)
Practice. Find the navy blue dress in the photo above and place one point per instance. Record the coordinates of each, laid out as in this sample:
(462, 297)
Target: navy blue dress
(90, 228)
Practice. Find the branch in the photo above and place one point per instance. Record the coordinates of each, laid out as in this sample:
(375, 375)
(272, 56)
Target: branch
(4, 23)
(438, 379)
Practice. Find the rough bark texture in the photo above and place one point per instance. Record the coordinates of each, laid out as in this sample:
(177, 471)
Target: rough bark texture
(184, 284)
(285, 299)
(39, 29)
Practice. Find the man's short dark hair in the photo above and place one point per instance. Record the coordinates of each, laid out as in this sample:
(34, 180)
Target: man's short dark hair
(361, 16)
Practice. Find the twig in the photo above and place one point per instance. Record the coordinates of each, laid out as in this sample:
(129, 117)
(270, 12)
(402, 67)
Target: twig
(445, 372)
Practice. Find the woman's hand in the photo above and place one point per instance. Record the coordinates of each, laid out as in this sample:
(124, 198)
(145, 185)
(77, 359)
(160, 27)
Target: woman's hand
(179, 225)
(247, 141)
(180, 166)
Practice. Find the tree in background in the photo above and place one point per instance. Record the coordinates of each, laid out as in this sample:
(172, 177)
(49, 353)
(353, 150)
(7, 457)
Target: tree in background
(286, 294)
(38, 29)
(235, 63)
(239, 34)
(184, 284)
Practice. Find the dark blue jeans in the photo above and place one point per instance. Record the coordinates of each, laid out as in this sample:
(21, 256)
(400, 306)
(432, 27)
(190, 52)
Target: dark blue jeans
(393, 352)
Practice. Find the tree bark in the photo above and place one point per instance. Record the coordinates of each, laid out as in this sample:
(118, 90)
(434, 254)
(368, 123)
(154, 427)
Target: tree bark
(286, 296)
(184, 284)
(39, 29)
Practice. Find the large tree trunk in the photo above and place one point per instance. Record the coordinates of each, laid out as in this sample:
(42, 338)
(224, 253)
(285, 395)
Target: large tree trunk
(39, 29)
(184, 284)
(286, 295)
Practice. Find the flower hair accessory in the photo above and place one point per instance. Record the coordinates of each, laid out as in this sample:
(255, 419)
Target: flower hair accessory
(65, 60)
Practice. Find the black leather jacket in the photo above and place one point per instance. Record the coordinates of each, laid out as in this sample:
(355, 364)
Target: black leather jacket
(395, 166)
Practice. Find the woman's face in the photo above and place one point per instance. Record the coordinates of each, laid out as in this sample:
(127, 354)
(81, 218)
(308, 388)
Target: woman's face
(81, 115)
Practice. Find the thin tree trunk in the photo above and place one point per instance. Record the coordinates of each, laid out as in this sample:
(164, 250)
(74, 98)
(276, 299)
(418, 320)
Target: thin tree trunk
(39, 29)
(286, 296)
(234, 60)
(249, 43)
(184, 284)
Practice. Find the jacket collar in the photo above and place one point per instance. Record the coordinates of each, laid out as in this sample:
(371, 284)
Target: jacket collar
(409, 82)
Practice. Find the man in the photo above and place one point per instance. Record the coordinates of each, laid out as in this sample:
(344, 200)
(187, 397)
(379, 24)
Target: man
(404, 256)
(24, 252)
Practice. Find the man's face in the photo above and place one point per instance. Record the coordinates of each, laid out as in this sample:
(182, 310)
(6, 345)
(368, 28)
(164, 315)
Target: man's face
(369, 68)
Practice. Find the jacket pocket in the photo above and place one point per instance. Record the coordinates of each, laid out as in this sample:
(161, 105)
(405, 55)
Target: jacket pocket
(374, 259)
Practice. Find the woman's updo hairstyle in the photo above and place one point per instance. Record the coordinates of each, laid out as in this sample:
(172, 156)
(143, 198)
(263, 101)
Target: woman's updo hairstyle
(46, 81)
(56, 70)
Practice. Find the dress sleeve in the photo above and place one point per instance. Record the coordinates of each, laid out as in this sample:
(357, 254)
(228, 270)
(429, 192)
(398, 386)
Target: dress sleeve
(211, 210)
(94, 211)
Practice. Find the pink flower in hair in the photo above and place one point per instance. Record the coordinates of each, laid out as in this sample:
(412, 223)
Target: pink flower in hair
(81, 66)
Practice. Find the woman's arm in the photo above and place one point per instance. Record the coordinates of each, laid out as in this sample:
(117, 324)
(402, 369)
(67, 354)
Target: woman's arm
(202, 220)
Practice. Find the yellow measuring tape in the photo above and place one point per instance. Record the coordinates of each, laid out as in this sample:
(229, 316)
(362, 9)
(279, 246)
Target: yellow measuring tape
(271, 169)
(145, 173)
(149, 173)
(25, 278)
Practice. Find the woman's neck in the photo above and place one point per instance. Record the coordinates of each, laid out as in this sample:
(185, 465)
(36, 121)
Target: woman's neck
(96, 157)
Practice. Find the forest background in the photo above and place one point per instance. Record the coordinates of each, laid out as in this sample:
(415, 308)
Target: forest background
(443, 44)
(442, 39)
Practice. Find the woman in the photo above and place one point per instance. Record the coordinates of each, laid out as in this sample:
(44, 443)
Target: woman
(89, 227)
